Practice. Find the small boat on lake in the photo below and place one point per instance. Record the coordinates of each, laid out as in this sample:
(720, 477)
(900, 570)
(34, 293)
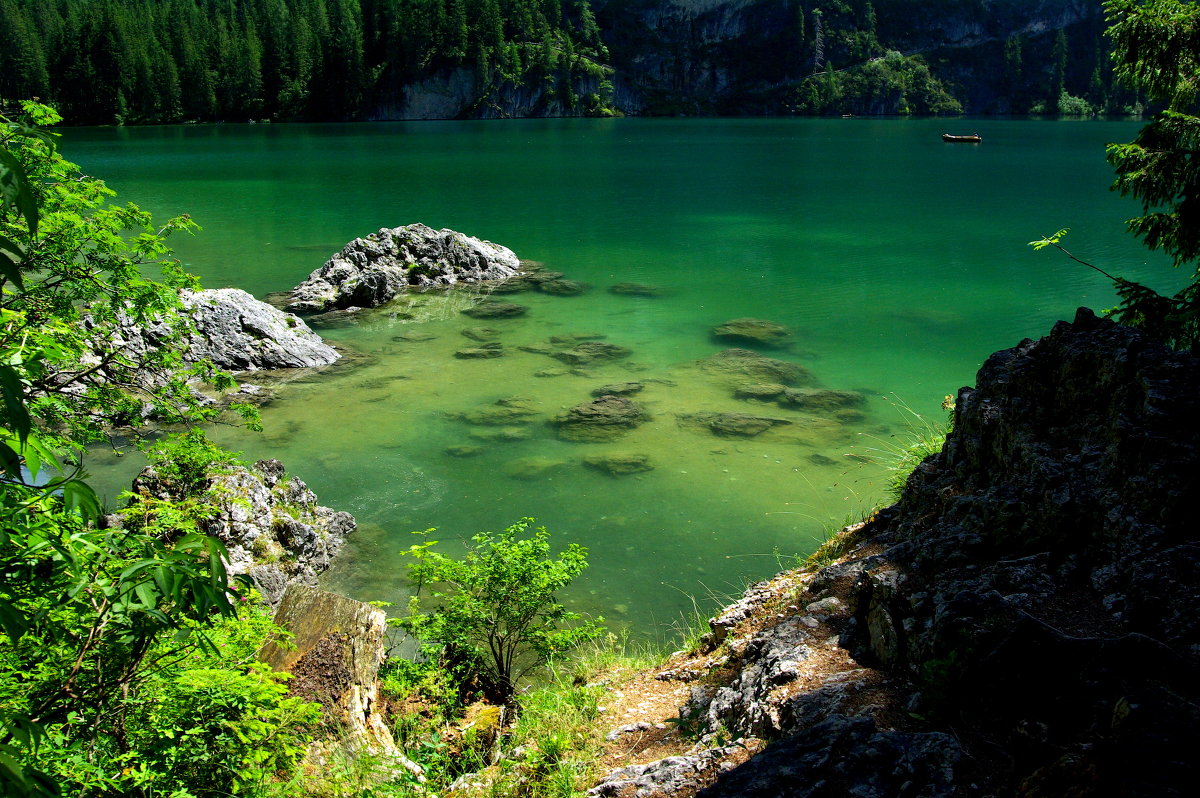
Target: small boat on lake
(974, 138)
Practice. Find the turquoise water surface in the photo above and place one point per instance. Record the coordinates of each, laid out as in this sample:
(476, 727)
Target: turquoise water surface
(898, 261)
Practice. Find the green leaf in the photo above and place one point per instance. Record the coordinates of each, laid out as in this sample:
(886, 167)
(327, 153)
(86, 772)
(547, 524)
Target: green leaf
(80, 498)
(11, 257)
(14, 401)
(10, 461)
(15, 189)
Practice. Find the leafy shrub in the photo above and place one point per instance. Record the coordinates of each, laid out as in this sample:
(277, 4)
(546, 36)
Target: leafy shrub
(217, 732)
(185, 461)
(494, 616)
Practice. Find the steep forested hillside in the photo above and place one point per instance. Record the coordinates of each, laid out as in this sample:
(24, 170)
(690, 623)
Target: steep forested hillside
(173, 60)
(129, 61)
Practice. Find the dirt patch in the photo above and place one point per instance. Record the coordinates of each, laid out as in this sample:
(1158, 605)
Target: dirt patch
(321, 674)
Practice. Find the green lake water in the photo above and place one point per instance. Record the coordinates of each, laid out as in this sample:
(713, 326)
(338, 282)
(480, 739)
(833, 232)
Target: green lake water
(900, 262)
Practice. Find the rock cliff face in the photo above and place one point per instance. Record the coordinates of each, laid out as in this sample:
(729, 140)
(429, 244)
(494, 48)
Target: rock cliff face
(745, 56)
(1023, 621)
(457, 94)
(334, 656)
(372, 270)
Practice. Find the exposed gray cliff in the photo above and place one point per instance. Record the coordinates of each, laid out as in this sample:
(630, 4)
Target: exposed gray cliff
(370, 271)
(1023, 621)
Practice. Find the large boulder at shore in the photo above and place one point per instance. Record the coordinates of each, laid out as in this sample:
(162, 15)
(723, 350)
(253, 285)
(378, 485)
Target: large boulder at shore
(229, 327)
(370, 271)
(239, 333)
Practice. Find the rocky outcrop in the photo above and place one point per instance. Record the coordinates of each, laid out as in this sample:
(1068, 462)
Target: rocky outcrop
(1022, 622)
(271, 524)
(1039, 582)
(370, 271)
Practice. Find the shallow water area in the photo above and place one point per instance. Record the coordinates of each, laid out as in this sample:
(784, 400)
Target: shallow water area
(897, 262)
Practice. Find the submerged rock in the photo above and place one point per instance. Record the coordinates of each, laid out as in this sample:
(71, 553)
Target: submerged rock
(530, 468)
(464, 450)
(761, 391)
(481, 333)
(732, 425)
(507, 434)
(539, 276)
(822, 401)
(513, 285)
(619, 389)
(370, 271)
(505, 412)
(569, 339)
(492, 309)
(636, 289)
(601, 419)
(744, 366)
(562, 287)
(618, 464)
(590, 352)
(753, 331)
(484, 352)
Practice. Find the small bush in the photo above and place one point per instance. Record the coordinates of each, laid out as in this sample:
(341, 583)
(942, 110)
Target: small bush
(495, 618)
(187, 460)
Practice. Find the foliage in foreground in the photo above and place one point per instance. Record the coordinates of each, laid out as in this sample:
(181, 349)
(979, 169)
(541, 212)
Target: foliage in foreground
(1156, 50)
(495, 618)
(546, 744)
(124, 667)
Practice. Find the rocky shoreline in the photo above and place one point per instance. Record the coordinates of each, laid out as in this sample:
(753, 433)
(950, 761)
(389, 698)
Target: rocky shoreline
(1021, 622)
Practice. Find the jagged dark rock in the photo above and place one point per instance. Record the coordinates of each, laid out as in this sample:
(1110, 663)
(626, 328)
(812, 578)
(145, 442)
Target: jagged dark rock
(843, 756)
(370, 271)
(1040, 580)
